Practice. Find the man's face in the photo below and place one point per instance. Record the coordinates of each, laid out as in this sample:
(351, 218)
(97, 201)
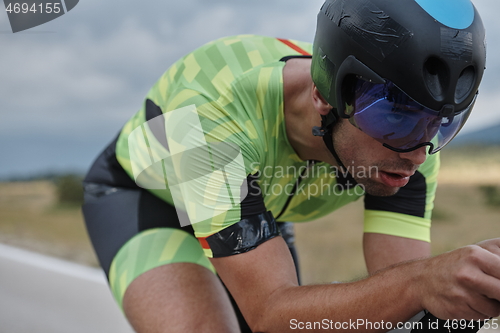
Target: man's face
(380, 170)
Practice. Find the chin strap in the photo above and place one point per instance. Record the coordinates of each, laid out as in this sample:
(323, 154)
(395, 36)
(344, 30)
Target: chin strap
(326, 131)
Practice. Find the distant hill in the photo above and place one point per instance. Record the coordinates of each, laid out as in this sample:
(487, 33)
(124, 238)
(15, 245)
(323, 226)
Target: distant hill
(485, 136)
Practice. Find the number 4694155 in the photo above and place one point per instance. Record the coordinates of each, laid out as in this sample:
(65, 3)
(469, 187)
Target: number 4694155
(50, 7)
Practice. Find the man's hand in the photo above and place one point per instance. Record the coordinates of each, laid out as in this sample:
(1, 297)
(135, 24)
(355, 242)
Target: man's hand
(464, 283)
(492, 245)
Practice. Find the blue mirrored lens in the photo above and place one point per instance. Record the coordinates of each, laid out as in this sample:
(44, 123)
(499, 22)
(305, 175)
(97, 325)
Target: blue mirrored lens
(451, 126)
(388, 115)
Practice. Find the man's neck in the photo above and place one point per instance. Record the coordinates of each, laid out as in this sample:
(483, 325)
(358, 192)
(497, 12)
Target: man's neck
(300, 114)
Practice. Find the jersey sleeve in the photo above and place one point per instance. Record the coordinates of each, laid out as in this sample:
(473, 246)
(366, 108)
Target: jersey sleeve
(408, 212)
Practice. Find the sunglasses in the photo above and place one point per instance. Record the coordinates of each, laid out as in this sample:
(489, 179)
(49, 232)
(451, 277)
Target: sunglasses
(390, 116)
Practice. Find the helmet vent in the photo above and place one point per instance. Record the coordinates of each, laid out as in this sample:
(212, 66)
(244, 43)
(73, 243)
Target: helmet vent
(436, 77)
(464, 84)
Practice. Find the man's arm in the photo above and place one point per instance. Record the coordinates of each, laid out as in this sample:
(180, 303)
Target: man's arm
(464, 283)
(382, 250)
(263, 282)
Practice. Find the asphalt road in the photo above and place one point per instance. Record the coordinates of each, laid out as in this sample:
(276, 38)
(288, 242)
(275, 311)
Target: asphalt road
(40, 294)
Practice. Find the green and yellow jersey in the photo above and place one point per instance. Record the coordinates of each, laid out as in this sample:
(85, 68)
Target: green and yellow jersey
(212, 130)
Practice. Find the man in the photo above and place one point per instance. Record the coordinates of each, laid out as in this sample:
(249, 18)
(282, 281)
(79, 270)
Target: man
(247, 131)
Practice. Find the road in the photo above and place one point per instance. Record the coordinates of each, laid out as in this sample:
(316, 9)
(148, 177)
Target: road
(47, 295)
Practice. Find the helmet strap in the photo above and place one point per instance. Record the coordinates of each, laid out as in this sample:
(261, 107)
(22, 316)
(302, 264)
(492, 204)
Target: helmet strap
(326, 131)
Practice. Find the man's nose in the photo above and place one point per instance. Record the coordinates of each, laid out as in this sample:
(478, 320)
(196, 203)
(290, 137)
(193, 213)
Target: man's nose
(416, 156)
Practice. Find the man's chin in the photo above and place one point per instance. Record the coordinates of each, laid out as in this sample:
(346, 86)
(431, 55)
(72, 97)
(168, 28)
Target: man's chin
(377, 189)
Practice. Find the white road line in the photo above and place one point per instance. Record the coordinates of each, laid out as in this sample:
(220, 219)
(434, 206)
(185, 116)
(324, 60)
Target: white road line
(52, 264)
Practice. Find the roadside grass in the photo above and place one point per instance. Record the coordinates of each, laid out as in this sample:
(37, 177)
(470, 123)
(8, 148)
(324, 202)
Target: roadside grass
(31, 218)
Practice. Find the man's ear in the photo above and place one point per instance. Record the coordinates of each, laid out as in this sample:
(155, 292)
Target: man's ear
(320, 104)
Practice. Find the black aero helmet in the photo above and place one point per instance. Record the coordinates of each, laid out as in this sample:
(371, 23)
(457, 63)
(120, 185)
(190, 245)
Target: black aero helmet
(406, 55)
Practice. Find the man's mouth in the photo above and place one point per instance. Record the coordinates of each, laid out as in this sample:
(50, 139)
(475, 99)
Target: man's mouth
(395, 178)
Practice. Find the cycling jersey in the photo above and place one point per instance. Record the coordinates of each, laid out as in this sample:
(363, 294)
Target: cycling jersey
(236, 86)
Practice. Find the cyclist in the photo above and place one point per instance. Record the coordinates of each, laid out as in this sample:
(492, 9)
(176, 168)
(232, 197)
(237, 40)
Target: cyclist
(249, 130)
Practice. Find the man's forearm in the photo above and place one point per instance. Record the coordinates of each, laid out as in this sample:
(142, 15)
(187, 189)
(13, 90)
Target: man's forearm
(388, 297)
(460, 284)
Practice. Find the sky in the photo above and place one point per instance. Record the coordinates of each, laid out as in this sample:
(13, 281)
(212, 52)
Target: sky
(67, 86)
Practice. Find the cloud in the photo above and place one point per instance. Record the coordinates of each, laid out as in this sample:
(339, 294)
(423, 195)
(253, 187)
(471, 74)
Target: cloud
(87, 67)
(488, 9)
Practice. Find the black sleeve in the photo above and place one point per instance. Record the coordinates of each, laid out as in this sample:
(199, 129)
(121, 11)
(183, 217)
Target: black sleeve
(410, 199)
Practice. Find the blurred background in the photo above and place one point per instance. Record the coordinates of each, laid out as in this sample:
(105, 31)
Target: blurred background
(67, 86)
